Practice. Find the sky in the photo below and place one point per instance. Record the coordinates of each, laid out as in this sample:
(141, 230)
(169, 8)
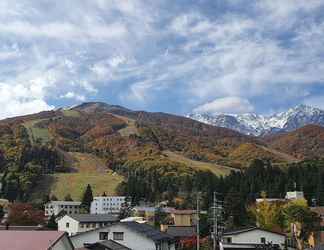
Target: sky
(175, 56)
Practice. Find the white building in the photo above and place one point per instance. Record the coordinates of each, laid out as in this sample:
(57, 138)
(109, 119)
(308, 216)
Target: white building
(78, 223)
(55, 207)
(107, 204)
(295, 195)
(129, 234)
(250, 238)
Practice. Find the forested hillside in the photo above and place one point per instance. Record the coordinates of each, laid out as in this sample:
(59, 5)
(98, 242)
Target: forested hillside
(168, 155)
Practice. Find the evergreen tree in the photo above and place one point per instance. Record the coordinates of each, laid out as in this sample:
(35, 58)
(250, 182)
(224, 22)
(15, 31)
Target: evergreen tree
(51, 224)
(87, 198)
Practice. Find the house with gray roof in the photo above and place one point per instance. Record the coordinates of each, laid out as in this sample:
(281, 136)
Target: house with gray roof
(131, 235)
(78, 223)
(251, 238)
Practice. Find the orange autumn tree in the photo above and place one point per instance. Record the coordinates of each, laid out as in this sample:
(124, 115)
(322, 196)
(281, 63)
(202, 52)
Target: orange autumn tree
(24, 214)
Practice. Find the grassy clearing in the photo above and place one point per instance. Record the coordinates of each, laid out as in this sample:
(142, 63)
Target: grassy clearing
(76, 183)
(71, 113)
(216, 169)
(35, 133)
(90, 170)
(87, 163)
(131, 127)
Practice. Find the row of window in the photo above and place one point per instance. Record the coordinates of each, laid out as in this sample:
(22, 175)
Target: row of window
(116, 236)
(112, 199)
(229, 240)
(109, 204)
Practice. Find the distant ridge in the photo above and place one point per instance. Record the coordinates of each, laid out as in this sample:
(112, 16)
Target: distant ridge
(258, 125)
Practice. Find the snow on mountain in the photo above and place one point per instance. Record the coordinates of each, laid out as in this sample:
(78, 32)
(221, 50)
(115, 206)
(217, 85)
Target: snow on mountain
(254, 124)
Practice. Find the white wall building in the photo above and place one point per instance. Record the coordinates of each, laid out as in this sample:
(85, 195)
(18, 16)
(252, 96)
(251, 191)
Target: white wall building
(55, 207)
(249, 238)
(295, 195)
(107, 204)
(129, 234)
(78, 223)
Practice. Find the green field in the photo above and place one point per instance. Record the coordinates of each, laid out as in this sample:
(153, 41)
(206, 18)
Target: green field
(35, 133)
(76, 183)
(70, 113)
(89, 170)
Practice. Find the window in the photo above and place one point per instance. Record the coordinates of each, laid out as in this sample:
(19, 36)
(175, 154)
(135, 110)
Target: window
(103, 236)
(67, 225)
(263, 240)
(228, 239)
(118, 236)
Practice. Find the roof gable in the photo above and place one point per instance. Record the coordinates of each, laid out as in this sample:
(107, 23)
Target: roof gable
(249, 229)
(36, 240)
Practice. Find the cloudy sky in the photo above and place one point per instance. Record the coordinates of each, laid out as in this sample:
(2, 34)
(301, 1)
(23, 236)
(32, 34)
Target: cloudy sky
(216, 56)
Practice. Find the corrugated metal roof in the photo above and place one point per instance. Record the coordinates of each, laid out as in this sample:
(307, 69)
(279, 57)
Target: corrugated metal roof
(181, 231)
(113, 245)
(148, 231)
(94, 217)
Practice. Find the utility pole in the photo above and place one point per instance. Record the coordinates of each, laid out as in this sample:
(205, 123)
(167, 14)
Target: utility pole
(215, 226)
(217, 209)
(197, 226)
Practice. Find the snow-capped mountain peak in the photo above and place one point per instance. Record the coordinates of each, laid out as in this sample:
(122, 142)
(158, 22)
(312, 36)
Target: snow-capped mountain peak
(254, 124)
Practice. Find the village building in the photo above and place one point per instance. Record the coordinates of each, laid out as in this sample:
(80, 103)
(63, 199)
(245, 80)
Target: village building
(77, 223)
(107, 204)
(183, 235)
(251, 238)
(56, 207)
(131, 235)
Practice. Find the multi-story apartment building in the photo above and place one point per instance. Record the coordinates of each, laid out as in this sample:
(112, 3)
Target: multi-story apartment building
(107, 204)
(55, 207)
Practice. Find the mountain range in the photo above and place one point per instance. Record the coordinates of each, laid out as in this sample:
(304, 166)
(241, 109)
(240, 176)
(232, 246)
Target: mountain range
(259, 125)
(94, 142)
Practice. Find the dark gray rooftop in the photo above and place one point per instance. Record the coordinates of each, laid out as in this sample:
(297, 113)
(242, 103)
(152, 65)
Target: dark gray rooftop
(181, 231)
(113, 245)
(109, 244)
(94, 217)
(148, 231)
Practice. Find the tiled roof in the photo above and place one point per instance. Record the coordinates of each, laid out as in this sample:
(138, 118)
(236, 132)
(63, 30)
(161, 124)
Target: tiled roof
(35, 240)
(94, 217)
(177, 231)
(148, 231)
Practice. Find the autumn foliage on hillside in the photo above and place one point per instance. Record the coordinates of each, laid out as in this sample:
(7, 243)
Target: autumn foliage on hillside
(303, 143)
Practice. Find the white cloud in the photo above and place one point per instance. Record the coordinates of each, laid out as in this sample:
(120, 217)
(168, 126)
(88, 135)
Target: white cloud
(17, 100)
(226, 105)
(134, 50)
(72, 95)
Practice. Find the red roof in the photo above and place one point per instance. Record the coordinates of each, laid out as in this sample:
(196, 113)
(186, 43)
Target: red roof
(35, 240)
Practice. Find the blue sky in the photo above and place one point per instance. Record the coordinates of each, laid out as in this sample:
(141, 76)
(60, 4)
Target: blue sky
(216, 56)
